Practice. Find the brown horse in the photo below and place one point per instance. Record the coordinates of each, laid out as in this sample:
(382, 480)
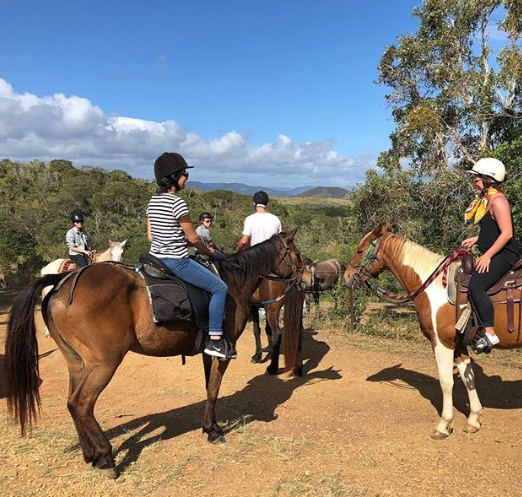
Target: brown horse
(269, 291)
(110, 314)
(412, 265)
(325, 275)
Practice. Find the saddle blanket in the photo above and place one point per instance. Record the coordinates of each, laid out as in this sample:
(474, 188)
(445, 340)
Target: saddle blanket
(173, 299)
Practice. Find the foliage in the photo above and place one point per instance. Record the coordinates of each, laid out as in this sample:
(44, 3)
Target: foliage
(454, 96)
(37, 199)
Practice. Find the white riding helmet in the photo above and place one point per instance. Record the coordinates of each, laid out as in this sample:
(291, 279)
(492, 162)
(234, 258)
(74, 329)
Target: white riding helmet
(490, 167)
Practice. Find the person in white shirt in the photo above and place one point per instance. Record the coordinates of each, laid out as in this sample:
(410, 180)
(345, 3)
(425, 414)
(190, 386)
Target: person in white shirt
(261, 225)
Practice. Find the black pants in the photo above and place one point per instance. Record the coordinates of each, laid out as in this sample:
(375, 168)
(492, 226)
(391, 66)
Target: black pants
(80, 260)
(480, 283)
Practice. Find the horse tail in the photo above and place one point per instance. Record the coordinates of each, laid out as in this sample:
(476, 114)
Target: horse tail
(21, 373)
(293, 326)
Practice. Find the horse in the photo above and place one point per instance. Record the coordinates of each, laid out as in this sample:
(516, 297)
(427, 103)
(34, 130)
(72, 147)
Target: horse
(3, 282)
(272, 291)
(113, 253)
(325, 275)
(105, 312)
(412, 265)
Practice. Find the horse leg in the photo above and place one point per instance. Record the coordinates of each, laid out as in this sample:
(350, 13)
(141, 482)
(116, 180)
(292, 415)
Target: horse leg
(86, 384)
(468, 378)
(444, 357)
(214, 371)
(254, 313)
(272, 323)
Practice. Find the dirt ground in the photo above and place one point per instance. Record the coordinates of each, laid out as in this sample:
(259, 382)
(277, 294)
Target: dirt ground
(357, 424)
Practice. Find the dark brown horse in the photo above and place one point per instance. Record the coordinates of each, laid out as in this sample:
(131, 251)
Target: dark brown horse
(412, 265)
(110, 315)
(272, 292)
(325, 275)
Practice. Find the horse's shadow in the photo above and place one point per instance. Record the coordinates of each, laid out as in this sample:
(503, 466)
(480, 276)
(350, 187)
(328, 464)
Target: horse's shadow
(258, 401)
(493, 391)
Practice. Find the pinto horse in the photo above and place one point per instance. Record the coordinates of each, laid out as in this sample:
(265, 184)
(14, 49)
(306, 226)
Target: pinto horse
(412, 265)
(105, 313)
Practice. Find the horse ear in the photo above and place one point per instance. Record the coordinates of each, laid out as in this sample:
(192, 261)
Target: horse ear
(316, 261)
(386, 228)
(123, 243)
(378, 231)
(290, 235)
(111, 243)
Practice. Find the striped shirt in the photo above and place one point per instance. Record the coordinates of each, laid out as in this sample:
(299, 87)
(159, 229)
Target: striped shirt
(168, 238)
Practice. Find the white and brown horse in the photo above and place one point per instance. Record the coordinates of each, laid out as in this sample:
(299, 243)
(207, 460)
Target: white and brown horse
(412, 265)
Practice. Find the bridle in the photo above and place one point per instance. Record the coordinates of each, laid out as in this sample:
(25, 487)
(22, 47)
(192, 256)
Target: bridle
(371, 256)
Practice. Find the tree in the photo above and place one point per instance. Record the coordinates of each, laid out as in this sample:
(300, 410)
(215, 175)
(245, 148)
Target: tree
(454, 96)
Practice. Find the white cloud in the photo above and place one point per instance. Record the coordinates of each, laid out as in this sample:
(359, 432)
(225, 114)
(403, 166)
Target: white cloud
(74, 128)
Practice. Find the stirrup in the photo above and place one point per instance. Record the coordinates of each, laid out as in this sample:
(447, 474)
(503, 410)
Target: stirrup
(482, 345)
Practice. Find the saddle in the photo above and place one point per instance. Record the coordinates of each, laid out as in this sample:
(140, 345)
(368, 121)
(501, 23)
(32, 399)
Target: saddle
(506, 291)
(173, 299)
(66, 266)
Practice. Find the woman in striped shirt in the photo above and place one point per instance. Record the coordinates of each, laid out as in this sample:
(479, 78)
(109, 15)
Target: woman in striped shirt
(170, 231)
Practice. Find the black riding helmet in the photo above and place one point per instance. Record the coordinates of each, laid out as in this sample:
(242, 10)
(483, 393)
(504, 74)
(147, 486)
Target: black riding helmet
(77, 217)
(168, 164)
(260, 197)
(205, 215)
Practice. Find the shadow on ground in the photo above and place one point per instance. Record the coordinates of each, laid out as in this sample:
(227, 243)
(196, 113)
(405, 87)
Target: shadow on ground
(494, 392)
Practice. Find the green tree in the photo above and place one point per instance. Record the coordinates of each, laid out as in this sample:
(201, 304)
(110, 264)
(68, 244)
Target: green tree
(453, 96)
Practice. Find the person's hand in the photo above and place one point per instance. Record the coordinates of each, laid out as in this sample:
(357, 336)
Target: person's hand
(469, 242)
(212, 252)
(482, 264)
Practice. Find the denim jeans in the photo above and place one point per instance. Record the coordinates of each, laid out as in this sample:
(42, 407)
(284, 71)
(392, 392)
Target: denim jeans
(190, 271)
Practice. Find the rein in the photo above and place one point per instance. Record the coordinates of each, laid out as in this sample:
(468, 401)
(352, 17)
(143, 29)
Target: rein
(371, 257)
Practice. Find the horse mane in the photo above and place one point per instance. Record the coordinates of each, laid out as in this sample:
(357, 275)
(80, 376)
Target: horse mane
(414, 255)
(252, 262)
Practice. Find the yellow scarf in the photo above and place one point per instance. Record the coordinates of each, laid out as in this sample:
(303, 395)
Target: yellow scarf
(477, 208)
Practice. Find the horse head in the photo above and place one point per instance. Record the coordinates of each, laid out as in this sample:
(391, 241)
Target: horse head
(116, 250)
(291, 260)
(365, 263)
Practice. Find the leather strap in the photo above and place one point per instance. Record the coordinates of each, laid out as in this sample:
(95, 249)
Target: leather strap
(510, 309)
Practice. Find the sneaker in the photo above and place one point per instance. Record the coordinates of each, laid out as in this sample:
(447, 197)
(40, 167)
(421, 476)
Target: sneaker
(220, 348)
(484, 344)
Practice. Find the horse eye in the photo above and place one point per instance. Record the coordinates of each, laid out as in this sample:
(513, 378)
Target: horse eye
(359, 251)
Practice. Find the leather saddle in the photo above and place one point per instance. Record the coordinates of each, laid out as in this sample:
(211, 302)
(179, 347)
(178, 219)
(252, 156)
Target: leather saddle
(66, 266)
(507, 290)
(173, 299)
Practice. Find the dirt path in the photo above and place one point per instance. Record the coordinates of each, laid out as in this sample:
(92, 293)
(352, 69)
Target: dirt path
(358, 423)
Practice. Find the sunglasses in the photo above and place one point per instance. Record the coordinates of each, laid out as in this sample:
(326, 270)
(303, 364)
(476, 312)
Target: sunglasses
(78, 222)
(186, 174)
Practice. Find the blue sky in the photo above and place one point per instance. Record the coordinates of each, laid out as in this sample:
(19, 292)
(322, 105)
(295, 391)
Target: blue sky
(263, 92)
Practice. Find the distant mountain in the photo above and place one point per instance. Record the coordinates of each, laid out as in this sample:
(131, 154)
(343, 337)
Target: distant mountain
(324, 192)
(248, 189)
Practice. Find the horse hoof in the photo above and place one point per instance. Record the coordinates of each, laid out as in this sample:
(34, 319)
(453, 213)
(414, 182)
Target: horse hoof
(111, 473)
(217, 438)
(438, 435)
(271, 371)
(471, 429)
(256, 359)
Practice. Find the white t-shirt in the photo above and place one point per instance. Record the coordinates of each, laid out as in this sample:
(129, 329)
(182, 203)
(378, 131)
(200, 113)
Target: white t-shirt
(260, 226)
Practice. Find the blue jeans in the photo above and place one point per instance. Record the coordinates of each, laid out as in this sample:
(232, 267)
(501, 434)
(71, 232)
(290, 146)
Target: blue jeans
(194, 273)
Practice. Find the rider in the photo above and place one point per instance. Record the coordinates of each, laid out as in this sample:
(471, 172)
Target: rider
(78, 242)
(496, 242)
(261, 225)
(170, 230)
(203, 230)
